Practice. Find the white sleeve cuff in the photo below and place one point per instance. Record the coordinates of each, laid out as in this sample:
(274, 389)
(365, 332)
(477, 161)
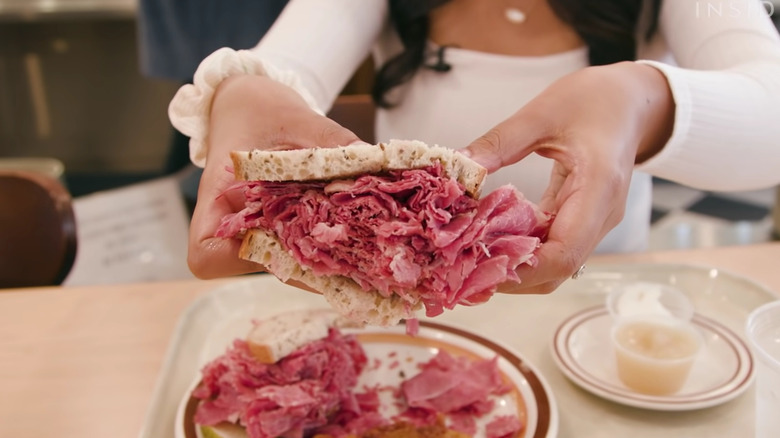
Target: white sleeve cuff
(190, 108)
(682, 123)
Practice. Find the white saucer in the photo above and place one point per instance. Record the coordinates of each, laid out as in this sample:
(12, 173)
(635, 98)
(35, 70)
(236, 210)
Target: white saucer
(723, 370)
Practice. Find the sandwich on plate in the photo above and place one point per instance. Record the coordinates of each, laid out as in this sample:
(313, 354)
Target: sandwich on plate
(304, 373)
(383, 230)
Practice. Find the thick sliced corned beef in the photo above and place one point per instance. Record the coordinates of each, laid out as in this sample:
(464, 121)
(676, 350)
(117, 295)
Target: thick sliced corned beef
(313, 391)
(408, 230)
(505, 426)
(308, 389)
(459, 388)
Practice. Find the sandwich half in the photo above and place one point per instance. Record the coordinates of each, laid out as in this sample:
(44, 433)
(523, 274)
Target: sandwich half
(303, 372)
(383, 230)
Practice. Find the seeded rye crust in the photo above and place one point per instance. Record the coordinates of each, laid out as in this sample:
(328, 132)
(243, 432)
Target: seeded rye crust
(354, 160)
(342, 293)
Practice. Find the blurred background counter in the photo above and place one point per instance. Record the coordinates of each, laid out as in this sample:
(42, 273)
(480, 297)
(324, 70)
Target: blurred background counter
(41, 9)
(71, 88)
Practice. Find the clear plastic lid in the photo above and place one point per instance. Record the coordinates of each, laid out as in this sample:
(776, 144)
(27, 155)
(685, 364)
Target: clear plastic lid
(649, 299)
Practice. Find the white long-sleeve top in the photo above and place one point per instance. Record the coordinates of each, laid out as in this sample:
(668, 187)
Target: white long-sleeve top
(720, 57)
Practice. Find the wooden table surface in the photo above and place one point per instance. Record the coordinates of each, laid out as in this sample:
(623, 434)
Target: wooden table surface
(83, 361)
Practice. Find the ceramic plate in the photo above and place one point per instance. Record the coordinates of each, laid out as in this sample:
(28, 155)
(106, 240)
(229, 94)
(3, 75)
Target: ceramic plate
(529, 398)
(722, 370)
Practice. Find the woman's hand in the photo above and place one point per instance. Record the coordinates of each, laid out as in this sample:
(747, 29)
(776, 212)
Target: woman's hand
(248, 112)
(596, 124)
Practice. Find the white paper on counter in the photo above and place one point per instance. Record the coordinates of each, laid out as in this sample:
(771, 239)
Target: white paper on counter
(136, 233)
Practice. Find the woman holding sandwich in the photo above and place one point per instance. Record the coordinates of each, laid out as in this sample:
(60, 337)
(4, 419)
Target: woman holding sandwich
(577, 103)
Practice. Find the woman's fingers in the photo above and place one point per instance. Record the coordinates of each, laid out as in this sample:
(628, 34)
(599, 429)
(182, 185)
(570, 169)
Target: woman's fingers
(215, 257)
(209, 256)
(587, 204)
(508, 142)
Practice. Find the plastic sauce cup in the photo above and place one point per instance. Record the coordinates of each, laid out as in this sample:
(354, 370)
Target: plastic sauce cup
(654, 354)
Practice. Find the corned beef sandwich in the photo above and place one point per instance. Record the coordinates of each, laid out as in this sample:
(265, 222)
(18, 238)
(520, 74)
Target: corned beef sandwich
(298, 374)
(383, 230)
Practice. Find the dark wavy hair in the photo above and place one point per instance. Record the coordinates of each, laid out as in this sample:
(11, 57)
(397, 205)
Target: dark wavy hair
(608, 27)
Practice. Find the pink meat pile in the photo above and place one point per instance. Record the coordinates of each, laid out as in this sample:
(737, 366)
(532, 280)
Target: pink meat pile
(408, 230)
(313, 391)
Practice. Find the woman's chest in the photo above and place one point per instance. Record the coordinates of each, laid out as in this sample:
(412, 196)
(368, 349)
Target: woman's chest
(508, 27)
